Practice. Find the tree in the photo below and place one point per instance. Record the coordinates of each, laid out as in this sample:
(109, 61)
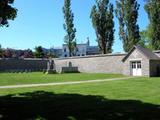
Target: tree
(39, 52)
(7, 12)
(69, 39)
(28, 54)
(127, 14)
(8, 53)
(146, 37)
(102, 21)
(1, 51)
(51, 55)
(152, 7)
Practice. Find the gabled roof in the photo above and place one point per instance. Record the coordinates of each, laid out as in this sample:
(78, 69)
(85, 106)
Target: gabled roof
(146, 52)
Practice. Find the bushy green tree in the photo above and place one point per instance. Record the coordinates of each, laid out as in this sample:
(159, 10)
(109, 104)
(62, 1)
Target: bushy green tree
(127, 14)
(7, 12)
(39, 52)
(102, 20)
(1, 51)
(146, 37)
(69, 39)
(152, 7)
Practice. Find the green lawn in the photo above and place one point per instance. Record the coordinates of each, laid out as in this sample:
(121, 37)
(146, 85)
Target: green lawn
(39, 77)
(132, 99)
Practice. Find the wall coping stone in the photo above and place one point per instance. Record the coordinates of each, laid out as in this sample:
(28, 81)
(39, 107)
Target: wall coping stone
(91, 56)
(23, 59)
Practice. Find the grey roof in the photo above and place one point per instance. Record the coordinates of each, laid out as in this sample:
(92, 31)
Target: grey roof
(146, 52)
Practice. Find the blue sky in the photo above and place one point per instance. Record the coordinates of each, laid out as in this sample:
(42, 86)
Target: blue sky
(40, 22)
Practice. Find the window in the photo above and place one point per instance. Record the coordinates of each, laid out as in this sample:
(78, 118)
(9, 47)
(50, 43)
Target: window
(64, 49)
(77, 50)
(65, 55)
(133, 64)
(138, 64)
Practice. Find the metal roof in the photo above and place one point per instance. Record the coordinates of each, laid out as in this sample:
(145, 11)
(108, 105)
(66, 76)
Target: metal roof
(146, 52)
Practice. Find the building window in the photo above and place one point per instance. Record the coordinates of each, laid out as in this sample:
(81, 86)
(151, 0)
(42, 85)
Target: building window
(64, 49)
(133, 64)
(65, 55)
(77, 49)
(138, 64)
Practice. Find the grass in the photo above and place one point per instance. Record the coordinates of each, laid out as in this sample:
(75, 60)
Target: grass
(132, 99)
(37, 77)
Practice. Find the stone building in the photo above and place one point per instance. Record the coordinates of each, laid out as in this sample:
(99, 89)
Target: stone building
(141, 62)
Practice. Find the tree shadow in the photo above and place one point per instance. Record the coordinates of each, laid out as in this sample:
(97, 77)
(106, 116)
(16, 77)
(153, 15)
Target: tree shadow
(41, 105)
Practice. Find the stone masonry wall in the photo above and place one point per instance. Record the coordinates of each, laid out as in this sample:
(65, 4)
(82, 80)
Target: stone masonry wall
(111, 63)
(23, 64)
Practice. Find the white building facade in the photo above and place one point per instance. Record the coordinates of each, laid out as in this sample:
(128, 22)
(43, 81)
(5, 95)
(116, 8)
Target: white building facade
(81, 50)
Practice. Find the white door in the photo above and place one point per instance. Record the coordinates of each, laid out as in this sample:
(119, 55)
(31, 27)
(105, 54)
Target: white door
(136, 68)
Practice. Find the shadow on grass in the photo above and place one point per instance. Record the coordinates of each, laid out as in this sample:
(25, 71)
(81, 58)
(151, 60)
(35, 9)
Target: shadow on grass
(41, 105)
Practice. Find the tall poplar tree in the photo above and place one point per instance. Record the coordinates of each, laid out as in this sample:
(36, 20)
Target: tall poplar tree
(69, 27)
(102, 20)
(7, 12)
(127, 14)
(152, 7)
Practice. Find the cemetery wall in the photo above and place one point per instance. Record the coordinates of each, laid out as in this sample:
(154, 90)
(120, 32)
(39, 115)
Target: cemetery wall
(10, 65)
(110, 63)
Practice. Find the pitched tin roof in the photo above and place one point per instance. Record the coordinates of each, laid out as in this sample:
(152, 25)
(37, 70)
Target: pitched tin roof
(146, 52)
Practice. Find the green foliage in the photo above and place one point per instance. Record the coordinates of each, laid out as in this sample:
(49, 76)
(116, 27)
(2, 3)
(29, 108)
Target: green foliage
(1, 51)
(51, 55)
(127, 14)
(69, 39)
(7, 12)
(39, 52)
(102, 20)
(146, 37)
(152, 7)
(71, 118)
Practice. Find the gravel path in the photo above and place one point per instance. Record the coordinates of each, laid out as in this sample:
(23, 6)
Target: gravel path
(62, 83)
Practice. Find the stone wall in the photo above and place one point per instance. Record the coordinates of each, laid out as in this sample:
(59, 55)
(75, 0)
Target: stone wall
(110, 63)
(23, 64)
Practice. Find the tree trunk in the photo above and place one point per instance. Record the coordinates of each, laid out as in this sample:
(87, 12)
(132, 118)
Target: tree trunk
(69, 47)
(103, 47)
(104, 50)
(70, 55)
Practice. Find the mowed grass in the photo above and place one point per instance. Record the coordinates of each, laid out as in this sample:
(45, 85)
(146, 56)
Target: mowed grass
(143, 88)
(132, 99)
(39, 77)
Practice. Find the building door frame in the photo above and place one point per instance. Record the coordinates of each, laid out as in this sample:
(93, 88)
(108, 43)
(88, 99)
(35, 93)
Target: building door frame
(136, 68)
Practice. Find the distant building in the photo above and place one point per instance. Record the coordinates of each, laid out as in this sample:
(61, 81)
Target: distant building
(57, 52)
(92, 50)
(81, 50)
